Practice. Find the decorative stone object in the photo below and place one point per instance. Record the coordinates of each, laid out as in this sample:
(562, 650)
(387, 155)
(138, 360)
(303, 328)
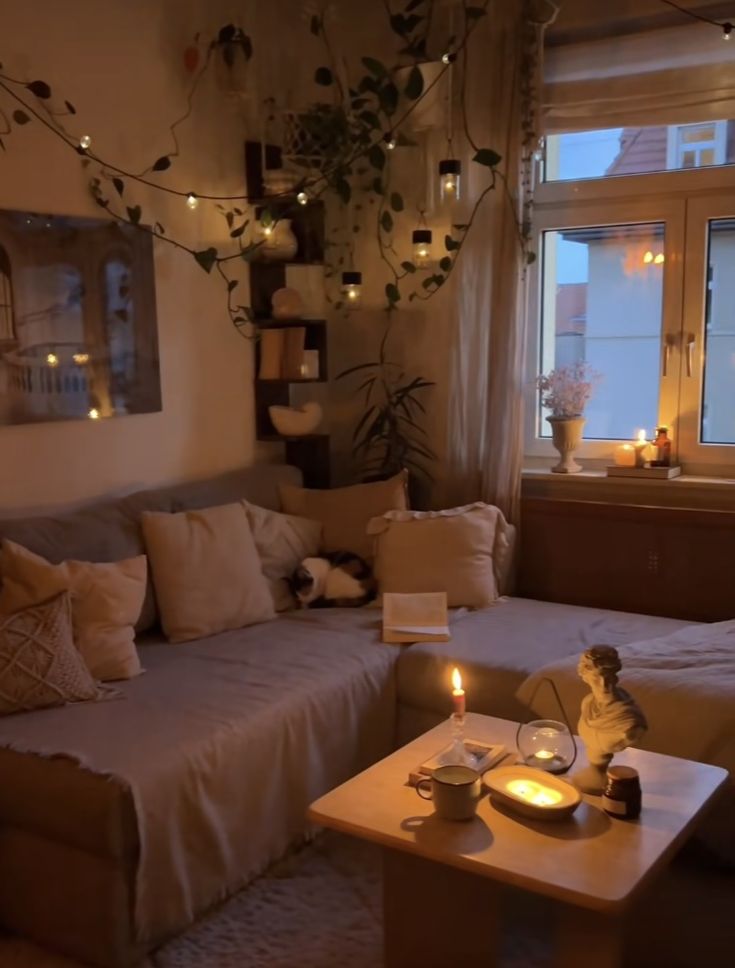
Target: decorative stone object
(286, 303)
(296, 421)
(279, 242)
(610, 719)
(566, 435)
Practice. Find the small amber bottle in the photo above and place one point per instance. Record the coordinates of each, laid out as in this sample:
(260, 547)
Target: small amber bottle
(622, 796)
(663, 448)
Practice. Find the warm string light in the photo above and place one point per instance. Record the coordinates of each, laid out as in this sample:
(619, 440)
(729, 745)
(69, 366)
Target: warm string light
(85, 142)
(192, 201)
(450, 175)
(94, 414)
(352, 289)
(726, 27)
(390, 141)
(421, 239)
(302, 198)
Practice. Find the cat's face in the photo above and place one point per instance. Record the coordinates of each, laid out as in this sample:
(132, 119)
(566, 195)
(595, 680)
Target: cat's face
(309, 580)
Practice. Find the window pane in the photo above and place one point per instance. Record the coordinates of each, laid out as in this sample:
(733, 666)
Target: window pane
(637, 150)
(718, 410)
(602, 304)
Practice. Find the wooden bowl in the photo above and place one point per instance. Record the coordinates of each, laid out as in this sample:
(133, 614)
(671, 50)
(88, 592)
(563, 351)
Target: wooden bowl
(532, 793)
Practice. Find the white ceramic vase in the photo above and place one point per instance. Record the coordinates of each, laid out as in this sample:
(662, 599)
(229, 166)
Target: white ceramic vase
(281, 244)
(566, 435)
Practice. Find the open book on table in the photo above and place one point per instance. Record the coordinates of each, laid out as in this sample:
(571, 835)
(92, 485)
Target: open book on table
(420, 617)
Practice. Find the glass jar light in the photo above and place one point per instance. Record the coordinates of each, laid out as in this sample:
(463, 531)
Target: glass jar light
(421, 239)
(547, 745)
(352, 289)
(450, 177)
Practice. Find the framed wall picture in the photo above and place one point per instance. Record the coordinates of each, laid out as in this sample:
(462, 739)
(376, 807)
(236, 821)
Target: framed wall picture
(78, 330)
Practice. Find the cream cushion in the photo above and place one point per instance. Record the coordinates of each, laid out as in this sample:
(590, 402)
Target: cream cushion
(439, 551)
(206, 571)
(106, 601)
(283, 541)
(39, 665)
(346, 511)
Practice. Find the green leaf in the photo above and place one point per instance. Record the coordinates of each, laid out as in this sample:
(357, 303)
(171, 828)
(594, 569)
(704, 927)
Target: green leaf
(377, 186)
(232, 284)
(119, 186)
(396, 202)
(376, 157)
(408, 267)
(343, 188)
(386, 221)
(445, 264)
(530, 258)
(450, 244)
(40, 89)
(206, 258)
(355, 369)
(487, 157)
(134, 214)
(370, 118)
(159, 228)
(323, 76)
(162, 164)
(236, 233)
(362, 421)
(391, 291)
(374, 66)
(70, 107)
(388, 97)
(20, 117)
(415, 84)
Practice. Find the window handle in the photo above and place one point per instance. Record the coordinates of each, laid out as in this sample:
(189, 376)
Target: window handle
(691, 342)
(669, 343)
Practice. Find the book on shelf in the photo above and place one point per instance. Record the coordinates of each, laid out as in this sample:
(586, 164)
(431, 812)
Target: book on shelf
(480, 756)
(271, 354)
(419, 617)
(293, 355)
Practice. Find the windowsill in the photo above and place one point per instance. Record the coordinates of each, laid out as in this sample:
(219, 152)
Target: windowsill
(686, 491)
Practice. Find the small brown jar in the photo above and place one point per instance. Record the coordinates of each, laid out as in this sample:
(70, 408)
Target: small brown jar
(622, 796)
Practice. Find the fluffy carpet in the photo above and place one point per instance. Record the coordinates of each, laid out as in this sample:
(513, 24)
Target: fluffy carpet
(321, 908)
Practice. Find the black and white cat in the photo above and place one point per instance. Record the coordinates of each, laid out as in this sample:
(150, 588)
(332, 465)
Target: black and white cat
(340, 579)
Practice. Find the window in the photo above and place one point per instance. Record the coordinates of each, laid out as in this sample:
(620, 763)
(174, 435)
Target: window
(636, 276)
(638, 149)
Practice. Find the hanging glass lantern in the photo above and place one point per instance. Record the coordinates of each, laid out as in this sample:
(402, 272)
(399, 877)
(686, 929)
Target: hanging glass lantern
(352, 289)
(450, 172)
(421, 239)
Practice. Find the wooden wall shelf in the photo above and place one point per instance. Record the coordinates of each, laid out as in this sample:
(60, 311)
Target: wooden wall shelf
(310, 453)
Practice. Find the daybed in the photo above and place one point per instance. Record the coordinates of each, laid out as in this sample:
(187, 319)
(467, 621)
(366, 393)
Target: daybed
(122, 821)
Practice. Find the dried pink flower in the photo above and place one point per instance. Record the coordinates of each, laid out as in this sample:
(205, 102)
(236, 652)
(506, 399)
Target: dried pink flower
(566, 389)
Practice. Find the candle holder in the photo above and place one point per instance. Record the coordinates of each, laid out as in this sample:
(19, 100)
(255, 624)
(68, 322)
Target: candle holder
(545, 743)
(458, 752)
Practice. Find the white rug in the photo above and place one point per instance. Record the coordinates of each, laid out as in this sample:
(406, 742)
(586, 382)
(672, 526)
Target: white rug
(321, 908)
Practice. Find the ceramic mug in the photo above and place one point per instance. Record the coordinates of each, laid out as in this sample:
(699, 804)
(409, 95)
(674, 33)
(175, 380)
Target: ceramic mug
(454, 790)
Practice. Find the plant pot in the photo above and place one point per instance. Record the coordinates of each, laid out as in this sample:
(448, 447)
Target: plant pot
(566, 435)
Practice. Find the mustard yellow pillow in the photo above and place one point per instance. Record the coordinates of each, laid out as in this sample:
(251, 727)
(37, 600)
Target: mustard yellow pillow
(106, 601)
(346, 511)
(206, 571)
(439, 551)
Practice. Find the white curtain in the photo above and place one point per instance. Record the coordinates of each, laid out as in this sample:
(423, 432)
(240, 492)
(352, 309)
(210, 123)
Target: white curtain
(668, 76)
(486, 370)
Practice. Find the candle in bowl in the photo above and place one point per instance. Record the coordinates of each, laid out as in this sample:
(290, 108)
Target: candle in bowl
(641, 449)
(624, 455)
(458, 696)
(532, 793)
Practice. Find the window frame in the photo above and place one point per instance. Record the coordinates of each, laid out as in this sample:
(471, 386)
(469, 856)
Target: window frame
(673, 197)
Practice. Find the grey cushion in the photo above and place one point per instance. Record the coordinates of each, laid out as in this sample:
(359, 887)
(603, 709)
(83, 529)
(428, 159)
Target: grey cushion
(110, 530)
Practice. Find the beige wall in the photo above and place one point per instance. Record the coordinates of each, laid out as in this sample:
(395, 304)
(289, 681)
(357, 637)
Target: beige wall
(119, 62)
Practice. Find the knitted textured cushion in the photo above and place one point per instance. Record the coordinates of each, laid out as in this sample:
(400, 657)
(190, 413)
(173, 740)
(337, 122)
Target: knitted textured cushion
(39, 664)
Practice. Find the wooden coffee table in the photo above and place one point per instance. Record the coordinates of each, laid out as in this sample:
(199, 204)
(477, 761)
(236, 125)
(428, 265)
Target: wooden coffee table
(442, 879)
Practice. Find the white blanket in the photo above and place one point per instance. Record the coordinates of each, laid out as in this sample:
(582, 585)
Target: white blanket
(685, 684)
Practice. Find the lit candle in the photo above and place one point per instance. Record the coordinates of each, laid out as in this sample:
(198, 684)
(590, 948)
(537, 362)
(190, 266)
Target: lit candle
(624, 455)
(544, 755)
(641, 448)
(535, 793)
(458, 693)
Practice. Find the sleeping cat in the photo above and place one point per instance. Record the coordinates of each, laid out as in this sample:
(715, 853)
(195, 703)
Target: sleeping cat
(340, 579)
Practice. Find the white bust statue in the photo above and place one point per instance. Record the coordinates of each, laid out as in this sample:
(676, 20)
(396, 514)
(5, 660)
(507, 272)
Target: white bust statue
(610, 719)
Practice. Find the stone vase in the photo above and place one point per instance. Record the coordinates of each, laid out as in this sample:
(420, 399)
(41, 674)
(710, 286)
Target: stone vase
(281, 245)
(566, 435)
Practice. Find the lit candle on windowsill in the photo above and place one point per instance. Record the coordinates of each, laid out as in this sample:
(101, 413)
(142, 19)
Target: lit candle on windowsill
(458, 696)
(624, 455)
(641, 449)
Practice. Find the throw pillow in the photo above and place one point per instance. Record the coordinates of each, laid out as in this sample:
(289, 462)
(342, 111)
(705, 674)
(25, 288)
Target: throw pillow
(206, 571)
(283, 541)
(106, 601)
(346, 511)
(439, 551)
(39, 664)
